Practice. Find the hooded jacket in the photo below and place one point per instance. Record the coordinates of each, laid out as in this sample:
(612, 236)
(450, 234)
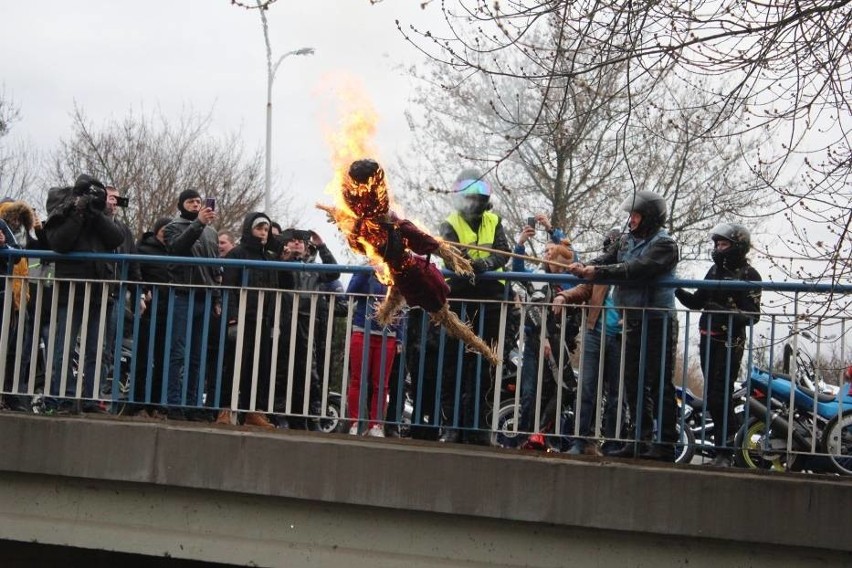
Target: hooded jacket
(250, 248)
(24, 213)
(153, 273)
(69, 230)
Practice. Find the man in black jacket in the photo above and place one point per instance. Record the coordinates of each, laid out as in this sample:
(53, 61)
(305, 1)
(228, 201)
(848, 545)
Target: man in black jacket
(77, 223)
(194, 287)
(254, 349)
(150, 349)
(639, 260)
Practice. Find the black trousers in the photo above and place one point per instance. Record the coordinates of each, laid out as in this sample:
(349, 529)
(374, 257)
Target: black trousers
(648, 370)
(720, 375)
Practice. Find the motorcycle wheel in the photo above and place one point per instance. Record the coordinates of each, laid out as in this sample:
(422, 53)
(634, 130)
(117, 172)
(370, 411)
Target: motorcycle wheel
(837, 442)
(506, 435)
(331, 421)
(757, 449)
(685, 449)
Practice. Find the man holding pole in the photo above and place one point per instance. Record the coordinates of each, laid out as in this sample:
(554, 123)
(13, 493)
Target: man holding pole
(472, 223)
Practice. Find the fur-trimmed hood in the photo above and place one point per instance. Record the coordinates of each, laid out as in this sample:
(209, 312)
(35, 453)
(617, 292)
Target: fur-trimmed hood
(11, 210)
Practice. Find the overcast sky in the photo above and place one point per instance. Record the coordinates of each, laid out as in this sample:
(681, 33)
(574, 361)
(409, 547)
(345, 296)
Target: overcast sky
(109, 56)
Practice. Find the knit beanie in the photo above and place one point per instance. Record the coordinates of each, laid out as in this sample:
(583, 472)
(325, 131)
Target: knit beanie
(184, 195)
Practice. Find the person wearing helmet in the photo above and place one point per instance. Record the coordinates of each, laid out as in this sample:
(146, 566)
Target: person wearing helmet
(722, 328)
(472, 223)
(641, 258)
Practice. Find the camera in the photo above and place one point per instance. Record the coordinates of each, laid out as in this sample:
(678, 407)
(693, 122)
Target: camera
(531, 222)
(94, 196)
(210, 203)
(296, 234)
(122, 201)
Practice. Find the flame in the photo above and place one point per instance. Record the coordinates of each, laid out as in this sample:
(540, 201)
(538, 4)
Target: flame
(353, 139)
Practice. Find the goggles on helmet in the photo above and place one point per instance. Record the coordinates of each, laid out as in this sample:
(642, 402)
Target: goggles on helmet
(472, 187)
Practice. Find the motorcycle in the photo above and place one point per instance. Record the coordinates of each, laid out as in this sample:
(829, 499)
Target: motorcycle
(815, 420)
(697, 426)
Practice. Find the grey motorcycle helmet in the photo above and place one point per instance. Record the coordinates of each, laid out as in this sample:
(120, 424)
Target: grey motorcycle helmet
(734, 232)
(740, 240)
(651, 206)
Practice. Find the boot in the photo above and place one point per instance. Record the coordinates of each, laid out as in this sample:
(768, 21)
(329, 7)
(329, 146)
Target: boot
(225, 417)
(659, 452)
(723, 458)
(628, 450)
(258, 419)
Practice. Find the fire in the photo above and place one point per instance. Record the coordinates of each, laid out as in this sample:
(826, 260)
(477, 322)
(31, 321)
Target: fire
(352, 140)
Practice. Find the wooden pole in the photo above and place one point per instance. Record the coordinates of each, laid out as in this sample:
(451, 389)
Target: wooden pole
(509, 254)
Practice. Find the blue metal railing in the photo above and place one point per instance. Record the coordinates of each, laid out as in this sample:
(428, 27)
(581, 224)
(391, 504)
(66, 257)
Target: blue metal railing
(427, 388)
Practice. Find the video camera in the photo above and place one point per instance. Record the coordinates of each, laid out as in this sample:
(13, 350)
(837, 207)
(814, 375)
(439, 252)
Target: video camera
(92, 191)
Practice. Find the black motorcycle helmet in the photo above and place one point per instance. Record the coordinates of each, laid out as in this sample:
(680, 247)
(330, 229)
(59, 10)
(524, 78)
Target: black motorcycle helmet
(653, 209)
(740, 240)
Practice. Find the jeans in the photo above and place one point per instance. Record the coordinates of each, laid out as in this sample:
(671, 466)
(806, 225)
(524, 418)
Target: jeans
(529, 385)
(94, 344)
(589, 378)
(184, 372)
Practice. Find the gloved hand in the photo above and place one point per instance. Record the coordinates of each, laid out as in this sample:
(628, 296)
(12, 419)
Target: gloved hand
(715, 307)
(83, 204)
(479, 266)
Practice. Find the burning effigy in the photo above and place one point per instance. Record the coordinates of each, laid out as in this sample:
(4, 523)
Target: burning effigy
(399, 251)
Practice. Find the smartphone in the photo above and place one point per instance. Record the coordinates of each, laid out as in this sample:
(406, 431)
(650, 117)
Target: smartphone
(531, 222)
(210, 203)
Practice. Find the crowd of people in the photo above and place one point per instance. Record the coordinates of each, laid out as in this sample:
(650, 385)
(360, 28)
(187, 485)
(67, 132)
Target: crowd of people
(245, 343)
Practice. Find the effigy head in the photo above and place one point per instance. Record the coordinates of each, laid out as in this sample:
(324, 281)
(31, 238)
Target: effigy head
(364, 189)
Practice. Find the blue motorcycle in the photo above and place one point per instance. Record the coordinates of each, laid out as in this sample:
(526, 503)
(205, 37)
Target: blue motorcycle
(791, 420)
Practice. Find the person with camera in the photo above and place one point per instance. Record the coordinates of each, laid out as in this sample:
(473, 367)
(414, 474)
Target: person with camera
(194, 287)
(77, 223)
(114, 202)
(301, 246)
(26, 230)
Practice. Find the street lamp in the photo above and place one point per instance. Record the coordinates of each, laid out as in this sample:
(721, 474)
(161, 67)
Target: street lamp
(270, 78)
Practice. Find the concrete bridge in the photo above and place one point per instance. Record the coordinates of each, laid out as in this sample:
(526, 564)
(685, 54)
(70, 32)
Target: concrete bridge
(235, 496)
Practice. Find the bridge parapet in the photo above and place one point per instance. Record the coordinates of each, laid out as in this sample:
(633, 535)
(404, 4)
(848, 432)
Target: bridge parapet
(226, 495)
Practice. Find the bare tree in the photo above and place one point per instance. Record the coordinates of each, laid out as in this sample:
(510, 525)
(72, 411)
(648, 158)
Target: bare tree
(17, 160)
(575, 148)
(782, 67)
(151, 160)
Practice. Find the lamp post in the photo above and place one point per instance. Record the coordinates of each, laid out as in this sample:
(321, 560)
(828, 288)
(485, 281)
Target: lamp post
(270, 78)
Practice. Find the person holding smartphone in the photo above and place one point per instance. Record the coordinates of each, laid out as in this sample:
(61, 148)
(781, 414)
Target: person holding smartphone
(190, 234)
(555, 235)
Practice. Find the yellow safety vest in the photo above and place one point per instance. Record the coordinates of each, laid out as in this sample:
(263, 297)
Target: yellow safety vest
(485, 236)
